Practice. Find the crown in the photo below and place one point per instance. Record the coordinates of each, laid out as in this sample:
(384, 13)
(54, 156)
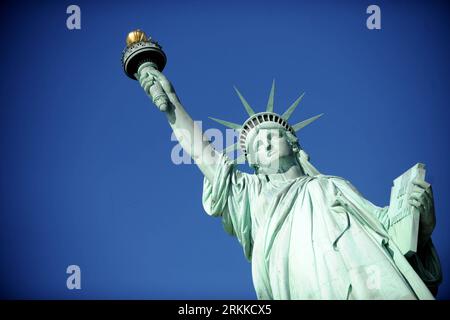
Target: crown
(258, 120)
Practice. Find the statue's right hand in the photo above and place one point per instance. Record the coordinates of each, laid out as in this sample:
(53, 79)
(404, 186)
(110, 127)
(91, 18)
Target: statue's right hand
(148, 76)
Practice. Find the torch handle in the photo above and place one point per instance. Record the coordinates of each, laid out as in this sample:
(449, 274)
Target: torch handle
(159, 97)
(155, 91)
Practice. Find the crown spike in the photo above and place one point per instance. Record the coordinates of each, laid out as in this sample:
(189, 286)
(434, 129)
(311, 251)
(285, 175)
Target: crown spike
(271, 96)
(245, 103)
(291, 109)
(304, 123)
(227, 123)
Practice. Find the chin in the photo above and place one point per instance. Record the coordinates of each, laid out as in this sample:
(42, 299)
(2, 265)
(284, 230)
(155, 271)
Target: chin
(273, 167)
(271, 163)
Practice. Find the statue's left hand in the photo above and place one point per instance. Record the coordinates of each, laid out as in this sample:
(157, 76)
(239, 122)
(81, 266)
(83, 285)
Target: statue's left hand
(422, 198)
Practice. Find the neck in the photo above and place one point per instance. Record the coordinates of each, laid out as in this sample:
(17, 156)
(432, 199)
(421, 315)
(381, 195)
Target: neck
(288, 169)
(293, 172)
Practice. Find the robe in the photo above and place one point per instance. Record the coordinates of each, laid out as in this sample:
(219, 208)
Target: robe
(313, 237)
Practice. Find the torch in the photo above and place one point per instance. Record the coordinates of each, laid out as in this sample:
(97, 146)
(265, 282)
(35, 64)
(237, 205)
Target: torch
(141, 53)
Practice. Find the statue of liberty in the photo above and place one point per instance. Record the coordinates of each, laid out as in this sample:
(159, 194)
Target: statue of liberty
(306, 234)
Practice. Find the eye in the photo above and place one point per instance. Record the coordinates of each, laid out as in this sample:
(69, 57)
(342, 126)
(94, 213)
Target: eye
(275, 138)
(259, 146)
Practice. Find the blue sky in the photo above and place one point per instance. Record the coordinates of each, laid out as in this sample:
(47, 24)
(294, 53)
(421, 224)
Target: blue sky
(86, 174)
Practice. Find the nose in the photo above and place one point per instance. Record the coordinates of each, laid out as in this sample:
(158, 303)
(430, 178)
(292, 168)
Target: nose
(267, 145)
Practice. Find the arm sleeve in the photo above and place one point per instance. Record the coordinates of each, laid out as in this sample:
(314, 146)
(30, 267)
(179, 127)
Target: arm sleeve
(428, 266)
(379, 213)
(228, 196)
(425, 262)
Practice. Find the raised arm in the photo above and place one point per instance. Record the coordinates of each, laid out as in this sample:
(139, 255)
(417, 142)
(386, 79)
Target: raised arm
(188, 134)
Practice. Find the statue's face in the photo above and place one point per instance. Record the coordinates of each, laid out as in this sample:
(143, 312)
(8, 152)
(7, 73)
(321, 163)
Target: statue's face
(271, 149)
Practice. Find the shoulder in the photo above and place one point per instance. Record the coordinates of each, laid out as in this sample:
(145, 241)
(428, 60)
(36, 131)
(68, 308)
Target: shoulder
(327, 179)
(246, 181)
(330, 182)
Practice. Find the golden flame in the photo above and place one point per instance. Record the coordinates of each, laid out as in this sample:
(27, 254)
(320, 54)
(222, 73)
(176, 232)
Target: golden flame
(136, 36)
